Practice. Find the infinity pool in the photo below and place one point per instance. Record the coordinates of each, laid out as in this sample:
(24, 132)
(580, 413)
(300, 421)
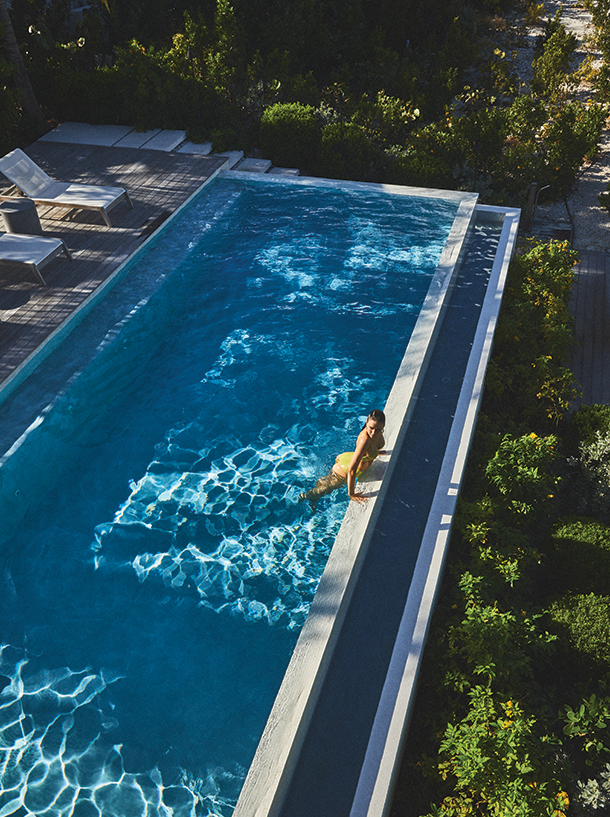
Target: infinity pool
(157, 567)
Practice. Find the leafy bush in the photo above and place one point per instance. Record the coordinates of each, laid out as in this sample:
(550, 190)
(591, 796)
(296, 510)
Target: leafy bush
(579, 556)
(500, 763)
(552, 67)
(595, 793)
(387, 120)
(526, 383)
(584, 619)
(417, 166)
(583, 424)
(519, 471)
(590, 478)
(290, 134)
(345, 152)
(571, 136)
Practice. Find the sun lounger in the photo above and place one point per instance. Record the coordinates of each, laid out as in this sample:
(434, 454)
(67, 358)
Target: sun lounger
(32, 250)
(36, 185)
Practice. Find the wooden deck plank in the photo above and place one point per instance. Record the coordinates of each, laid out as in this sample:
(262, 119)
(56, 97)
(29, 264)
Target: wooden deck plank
(157, 183)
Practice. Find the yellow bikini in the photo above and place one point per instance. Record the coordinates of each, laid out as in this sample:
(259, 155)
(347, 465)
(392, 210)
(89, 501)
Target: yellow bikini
(344, 460)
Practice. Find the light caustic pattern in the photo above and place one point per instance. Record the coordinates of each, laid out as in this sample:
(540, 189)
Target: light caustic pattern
(266, 372)
(227, 510)
(55, 760)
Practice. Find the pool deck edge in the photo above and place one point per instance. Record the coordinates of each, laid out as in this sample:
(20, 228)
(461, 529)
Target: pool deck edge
(278, 750)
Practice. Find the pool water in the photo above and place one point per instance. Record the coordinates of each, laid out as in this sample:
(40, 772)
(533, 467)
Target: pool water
(154, 589)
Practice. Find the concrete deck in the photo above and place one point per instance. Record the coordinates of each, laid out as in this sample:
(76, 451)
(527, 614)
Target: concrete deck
(158, 183)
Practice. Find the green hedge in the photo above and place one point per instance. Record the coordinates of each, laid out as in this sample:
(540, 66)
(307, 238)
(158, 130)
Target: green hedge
(290, 134)
(584, 619)
(579, 558)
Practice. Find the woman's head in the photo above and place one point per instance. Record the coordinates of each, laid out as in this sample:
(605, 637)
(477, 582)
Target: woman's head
(376, 420)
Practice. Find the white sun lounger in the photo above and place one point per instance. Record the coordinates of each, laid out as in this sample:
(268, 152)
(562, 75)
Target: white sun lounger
(32, 250)
(34, 182)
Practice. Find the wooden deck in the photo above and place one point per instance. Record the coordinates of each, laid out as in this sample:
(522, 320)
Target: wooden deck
(591, 308)
(157, 182)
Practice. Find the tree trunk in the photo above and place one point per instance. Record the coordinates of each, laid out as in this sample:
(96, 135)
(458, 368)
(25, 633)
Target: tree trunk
(29, 103)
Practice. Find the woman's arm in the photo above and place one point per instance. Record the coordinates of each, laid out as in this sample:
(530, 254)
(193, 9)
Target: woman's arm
(361, 447)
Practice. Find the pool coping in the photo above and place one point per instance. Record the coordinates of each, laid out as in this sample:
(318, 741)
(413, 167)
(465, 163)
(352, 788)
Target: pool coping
(277, 754)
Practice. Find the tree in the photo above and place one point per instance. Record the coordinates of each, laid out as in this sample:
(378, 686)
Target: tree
(29, 104)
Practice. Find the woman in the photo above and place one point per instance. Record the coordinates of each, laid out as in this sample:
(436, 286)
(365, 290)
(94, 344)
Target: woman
(349, 465)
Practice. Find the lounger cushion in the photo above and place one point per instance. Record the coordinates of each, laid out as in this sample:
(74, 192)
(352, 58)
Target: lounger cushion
(27, 249)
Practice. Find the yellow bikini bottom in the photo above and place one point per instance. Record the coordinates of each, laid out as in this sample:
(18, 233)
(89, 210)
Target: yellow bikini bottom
(344, 460)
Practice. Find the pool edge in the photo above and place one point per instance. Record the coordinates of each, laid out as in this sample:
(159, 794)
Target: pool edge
(278, 750)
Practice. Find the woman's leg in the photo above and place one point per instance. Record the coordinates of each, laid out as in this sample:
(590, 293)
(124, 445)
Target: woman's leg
(325, 485)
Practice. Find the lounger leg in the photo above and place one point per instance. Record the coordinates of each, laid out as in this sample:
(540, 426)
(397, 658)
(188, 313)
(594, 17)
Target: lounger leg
(66, 250)
(38, 273)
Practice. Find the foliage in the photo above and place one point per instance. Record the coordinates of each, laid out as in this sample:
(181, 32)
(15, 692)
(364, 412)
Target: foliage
(525, 379)
(585, 422)
(568, 139)
(588, 724)
(590, 478)
(595, 793)
(290, 134)
(585, 621)
(518, 470)
(552, 67)
(9, 105)
(578, 556)
(387, 120)
(499, 762)
(345, 152)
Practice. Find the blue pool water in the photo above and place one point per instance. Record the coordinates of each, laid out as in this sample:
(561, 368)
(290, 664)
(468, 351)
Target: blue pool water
(161, 570)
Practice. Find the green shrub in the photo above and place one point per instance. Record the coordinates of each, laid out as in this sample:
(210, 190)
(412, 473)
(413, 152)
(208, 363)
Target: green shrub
(571, 136)
(525, 385)
(417, 168)
(590, 477)
(290, 134)
(551, 68)
(345, 152)
(585, 620)
(583, 424)
(579, 558)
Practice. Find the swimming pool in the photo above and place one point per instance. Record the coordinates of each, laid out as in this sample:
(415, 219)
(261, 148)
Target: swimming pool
(159, 569)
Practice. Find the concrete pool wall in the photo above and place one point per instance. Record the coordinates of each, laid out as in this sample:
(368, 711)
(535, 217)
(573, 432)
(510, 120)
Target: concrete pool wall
(282, 775)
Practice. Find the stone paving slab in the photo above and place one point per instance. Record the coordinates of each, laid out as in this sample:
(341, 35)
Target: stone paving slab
(137, 139)
(195, 148)
(79, 133)
(254, 165)
(166, 140)
(284, 171)
(233, 156)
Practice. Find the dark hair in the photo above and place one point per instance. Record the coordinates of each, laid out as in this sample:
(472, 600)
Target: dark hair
(377, 415)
